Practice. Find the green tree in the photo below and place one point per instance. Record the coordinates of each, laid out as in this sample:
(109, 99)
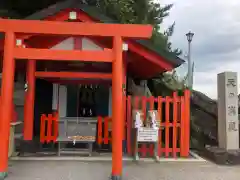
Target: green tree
(124, 11)
(140, 12)
(145, 12)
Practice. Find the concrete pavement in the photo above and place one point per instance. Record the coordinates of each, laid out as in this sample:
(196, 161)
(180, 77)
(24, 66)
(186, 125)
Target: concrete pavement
(76, 170)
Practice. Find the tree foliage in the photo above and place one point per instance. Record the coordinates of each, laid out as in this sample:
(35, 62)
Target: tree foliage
(124, 11)
(145, 12)
(140, 12)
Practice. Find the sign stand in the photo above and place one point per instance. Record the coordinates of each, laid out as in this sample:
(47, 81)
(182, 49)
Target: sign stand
(138, 124)
(157, 159)
(146, 134)
(136, 155)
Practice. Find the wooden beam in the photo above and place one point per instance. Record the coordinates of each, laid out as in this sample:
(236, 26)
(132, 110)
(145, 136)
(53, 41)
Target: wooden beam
(87, 75)
(29, 101)
(75, 28)
(60, 16)
(81, 81)
(63, 55)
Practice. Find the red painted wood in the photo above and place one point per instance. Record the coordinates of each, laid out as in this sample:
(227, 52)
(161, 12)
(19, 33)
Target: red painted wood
(55, 124)
(186, 123)
(63, 55)
(42, 128)
(167, 105)
(75, 28)
(77, 43)
(144, 103)
(159, 108)
(182, 134)
(175, 124)
(175, 111)
(99, 137)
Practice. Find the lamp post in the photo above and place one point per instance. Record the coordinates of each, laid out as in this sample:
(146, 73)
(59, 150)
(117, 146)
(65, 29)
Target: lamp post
(190, 68)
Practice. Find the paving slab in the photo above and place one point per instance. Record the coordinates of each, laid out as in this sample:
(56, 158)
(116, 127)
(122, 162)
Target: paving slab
(76, 170)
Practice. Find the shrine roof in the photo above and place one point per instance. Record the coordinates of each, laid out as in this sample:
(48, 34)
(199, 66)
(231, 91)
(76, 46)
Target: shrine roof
(95, 13)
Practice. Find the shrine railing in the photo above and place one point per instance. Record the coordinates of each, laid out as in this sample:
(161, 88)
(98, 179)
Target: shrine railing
(174, 123)
(49, 128)
(174, 115)
(174, 131)
(104, 130)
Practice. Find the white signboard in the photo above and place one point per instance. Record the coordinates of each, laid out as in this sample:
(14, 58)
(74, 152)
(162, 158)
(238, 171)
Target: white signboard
(147, 135)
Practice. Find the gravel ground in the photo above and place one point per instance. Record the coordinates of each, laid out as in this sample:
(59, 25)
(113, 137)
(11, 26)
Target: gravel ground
(75, 170)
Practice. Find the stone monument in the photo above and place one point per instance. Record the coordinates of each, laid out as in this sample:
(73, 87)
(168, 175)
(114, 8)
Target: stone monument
(228, 129)
(227, 151)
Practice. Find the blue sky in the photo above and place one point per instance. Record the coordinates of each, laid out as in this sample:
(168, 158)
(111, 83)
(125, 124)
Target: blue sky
(216, 44)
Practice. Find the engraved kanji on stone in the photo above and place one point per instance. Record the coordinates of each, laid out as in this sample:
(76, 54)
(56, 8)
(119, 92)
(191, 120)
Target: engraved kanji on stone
(232, 126)
(231, 82)
(232, 110)
(231, 94)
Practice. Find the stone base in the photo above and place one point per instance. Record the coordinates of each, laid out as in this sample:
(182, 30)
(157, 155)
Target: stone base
(28, 147)
(116, 178)
(3, 175)
(222, 156)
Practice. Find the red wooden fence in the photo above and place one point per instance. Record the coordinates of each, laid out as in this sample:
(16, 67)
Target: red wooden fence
(104, 124)
(174, 135)
(49, 128)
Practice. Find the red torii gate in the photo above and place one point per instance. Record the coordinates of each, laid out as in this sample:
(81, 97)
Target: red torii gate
(26, 28)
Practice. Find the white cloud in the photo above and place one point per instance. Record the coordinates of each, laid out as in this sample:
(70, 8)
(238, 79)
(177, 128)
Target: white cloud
(207, 81)
(216, 43)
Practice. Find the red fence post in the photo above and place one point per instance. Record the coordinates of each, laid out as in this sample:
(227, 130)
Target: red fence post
(175, 113)
(160, 129)
(49, 127)
(55, 127)
(167, 103)
(99, 138)
(42, 128)
(144, 148)
(106, 130)
(182, 125)
(187, 123)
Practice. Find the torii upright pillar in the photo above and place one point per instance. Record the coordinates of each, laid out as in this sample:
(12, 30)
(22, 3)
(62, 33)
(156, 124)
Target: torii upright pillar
(29, 101)
(117, 109)
(6, 100)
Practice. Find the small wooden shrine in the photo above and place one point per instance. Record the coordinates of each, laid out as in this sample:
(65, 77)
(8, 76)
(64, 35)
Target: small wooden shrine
(63, 47)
